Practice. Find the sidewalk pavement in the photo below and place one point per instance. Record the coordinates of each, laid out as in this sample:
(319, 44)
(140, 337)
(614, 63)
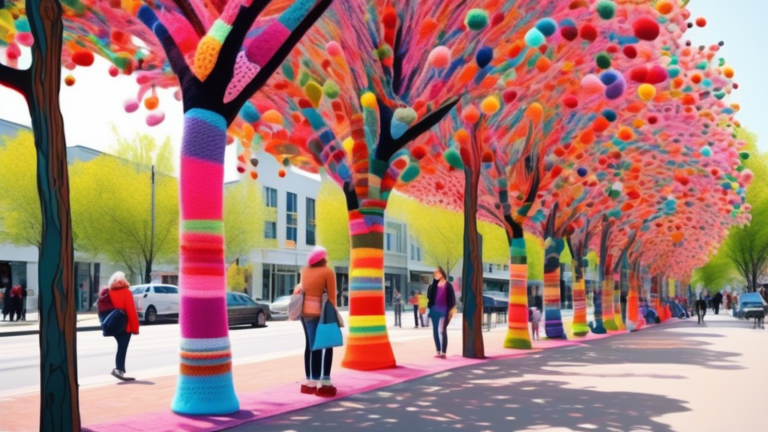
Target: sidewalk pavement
(265, 388)
(86, 321)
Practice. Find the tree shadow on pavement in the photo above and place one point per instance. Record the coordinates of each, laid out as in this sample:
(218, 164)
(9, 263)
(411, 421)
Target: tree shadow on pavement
(502, 395)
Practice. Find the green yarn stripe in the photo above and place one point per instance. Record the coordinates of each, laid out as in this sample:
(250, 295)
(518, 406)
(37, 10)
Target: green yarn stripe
(203, 226)
(368, 331)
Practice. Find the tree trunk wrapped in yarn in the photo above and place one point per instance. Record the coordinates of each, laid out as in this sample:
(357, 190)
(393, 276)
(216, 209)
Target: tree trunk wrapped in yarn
(368, 346)
(517, 317)
(553, 321)
(205, 377)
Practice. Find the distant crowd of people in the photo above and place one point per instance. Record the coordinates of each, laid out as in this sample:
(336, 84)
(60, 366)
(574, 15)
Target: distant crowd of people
(15, 303)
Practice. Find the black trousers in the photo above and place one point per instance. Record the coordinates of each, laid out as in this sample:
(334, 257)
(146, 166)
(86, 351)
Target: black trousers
(317, 364)
(416, 317)
(716, 306)
(398, 315)
(123, 339)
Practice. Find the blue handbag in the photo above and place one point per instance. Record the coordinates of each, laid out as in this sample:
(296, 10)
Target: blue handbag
(328, 334)
(114, 323)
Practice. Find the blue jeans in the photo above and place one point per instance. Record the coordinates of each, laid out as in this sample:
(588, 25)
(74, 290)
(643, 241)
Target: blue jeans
(439, 330)
(317, 364)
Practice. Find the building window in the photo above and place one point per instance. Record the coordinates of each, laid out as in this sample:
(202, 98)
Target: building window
(395, 238)
(311, 221)
(270, 197)
(418, 254)
(413, 254)
(270, 230)
(291, 219)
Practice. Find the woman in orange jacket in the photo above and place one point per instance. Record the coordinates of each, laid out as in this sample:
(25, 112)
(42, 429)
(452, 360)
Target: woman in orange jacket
(122, 298)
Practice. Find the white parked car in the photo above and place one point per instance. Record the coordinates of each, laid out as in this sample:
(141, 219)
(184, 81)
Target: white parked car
(156, 301)
(279, 308)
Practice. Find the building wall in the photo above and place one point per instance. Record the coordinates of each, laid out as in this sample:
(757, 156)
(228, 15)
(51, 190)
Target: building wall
(280, 252)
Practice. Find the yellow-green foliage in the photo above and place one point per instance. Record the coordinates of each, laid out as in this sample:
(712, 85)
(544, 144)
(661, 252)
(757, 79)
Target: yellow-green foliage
(243, 218)
(143, 150)
(20, 220)
(534, 251)
(333, 222)
(495, 243)
(239, 277)
(438, 232)
(111, 212)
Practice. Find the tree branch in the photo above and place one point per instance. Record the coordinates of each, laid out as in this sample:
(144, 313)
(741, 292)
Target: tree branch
(422, 126)
(223, 70)
(15, 79)
(172, 52)
(189, 13)
(233, 107)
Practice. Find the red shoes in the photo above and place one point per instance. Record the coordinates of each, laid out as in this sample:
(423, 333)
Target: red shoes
(305, 389)
(326, 391)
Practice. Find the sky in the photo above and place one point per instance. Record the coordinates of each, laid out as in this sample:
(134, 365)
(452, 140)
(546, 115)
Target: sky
(95, 103)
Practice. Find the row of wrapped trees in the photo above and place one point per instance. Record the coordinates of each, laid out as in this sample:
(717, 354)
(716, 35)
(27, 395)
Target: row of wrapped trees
(588, 123)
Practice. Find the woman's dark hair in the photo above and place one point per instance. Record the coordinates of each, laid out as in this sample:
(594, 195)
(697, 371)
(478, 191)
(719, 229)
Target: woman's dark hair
(320, 263)
(442, 272)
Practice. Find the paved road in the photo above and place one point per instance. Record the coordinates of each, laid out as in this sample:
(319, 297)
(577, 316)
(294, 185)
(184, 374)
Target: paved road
(675, 377)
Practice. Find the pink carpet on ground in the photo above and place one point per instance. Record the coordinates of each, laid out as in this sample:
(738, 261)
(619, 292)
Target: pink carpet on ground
(286, 398)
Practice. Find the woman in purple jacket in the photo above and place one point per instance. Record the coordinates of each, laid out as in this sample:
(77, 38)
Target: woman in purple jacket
(441, 301)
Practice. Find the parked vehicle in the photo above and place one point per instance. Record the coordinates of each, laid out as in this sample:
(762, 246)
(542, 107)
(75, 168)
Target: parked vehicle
(279, 308)
(243, 310)
(156, 301)
(751, 305)
(495, 300)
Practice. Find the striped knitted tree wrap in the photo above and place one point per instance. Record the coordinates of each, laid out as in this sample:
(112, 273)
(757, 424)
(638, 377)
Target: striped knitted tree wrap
(368, 346)
(204, 385)
(553, 320)
(617, 304)
(609, 318)
(579, 326)
(597, 326)
(633, 312)
(518, 336)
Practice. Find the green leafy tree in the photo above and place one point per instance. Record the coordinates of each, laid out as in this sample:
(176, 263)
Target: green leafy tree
(20, 220)
(112, 213)
(244, 218)
(144, 150)
(333, 222)
(747, 246)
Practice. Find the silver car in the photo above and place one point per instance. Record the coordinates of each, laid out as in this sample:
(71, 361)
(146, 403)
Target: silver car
(279, 308)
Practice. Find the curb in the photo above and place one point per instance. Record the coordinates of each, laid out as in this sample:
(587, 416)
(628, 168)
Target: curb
(34, 332)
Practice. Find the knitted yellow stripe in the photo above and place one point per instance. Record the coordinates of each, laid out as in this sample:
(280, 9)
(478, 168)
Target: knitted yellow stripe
(367, 321)
(363, 272)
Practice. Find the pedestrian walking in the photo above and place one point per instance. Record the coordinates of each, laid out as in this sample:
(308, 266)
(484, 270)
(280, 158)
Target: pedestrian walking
(441, 299)
(535, 323)
(121, 297)
(717, 299)
(16, 295)
(318, 283)
(701, 308)
(24, 295)
(414, 301)
(423, 306)
(397, 303)
(6, 302)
